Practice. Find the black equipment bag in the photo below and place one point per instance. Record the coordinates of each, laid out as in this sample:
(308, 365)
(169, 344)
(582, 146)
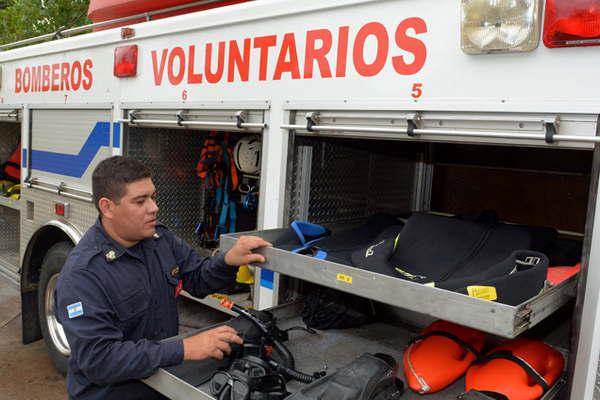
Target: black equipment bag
(369, 377)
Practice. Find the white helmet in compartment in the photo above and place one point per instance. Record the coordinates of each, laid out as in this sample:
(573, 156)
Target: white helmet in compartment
(246, 155)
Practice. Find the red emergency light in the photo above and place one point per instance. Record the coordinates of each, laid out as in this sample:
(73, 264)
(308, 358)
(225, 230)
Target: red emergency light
(61, 209)
(572, 23)
(126, 61)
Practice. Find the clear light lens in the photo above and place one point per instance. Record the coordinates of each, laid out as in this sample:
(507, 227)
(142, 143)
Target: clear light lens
(499, 25)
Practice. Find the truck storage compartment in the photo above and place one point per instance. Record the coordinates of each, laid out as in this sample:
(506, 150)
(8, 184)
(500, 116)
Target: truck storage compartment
(348, 181)
(10, 160)
(178, 145)
(339, 180)
(326, 350)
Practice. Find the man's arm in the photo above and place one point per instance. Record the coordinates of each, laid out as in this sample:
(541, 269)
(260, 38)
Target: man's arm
(97, 343)
(205, 275)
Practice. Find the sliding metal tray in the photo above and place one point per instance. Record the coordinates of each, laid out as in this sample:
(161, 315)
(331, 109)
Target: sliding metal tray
(499, 319)
(313, 352)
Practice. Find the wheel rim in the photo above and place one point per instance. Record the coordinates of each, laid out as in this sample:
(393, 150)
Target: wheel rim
(57, 333)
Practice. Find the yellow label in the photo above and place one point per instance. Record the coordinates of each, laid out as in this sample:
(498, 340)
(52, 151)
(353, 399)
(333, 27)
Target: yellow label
(483, 292)
(344, 278)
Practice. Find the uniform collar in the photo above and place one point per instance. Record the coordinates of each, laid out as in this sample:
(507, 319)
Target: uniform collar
(111, 249)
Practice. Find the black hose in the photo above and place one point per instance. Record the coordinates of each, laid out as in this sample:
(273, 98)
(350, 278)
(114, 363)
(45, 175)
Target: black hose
(287, 357)
(297, 375)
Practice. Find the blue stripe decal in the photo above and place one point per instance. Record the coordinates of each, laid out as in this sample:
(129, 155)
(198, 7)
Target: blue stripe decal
(266, 278)
(75, 165)
(116, 135)
(24, 158)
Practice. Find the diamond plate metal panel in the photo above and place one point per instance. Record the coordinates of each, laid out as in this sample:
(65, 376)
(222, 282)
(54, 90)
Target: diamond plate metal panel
(349, 181)
(172, 156)
(391, 182)
(339, 184)
(9, 236)
(82, 214)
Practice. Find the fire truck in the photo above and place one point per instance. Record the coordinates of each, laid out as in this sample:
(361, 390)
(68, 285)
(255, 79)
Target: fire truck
(358, 107)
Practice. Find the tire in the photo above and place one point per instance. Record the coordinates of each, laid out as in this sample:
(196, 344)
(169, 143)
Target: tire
(54, 335)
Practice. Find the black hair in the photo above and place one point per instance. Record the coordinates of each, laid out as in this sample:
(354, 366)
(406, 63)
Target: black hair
(111, 176)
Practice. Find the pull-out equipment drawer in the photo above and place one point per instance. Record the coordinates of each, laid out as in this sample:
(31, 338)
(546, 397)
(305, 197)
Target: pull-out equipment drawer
(496, 318)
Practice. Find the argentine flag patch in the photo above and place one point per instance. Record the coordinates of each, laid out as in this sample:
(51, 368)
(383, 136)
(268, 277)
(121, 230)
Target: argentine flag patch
(75, 310)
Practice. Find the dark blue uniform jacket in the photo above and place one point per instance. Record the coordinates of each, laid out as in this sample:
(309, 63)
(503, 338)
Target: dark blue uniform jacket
(116, 305)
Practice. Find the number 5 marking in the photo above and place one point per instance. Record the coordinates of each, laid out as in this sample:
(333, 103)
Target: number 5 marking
(417, 90)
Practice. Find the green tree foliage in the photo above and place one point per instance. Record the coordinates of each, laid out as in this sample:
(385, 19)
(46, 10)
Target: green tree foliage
(22, 19)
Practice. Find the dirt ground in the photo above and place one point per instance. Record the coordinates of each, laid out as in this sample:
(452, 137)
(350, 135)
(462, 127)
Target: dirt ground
(26, 371)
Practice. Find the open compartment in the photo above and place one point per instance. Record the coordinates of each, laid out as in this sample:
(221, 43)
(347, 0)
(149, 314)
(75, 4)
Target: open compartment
(206, 168)
(10, 160)
(348, 181)
(347, 167)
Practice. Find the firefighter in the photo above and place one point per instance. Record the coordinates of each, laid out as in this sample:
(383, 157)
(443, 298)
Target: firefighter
(116, 295)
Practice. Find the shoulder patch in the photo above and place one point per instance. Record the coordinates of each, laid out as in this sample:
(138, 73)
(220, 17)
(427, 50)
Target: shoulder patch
(75, 310)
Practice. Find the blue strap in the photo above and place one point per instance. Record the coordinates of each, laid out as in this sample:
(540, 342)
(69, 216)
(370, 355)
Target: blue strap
(224, 207)
(321, 255)
(249, 202)
(300, 249)
(224, 212)
(218, 197)
(232, 216)
(227, 205)
(298, 231)
(308, 233)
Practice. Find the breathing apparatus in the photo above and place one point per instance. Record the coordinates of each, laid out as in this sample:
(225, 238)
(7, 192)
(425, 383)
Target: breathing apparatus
(261, 366)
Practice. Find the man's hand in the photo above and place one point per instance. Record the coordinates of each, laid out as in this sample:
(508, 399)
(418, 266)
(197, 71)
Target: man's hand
(213, 343)
(241, 252)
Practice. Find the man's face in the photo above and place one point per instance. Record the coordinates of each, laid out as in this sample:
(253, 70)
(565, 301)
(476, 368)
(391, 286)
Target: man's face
(134, 217)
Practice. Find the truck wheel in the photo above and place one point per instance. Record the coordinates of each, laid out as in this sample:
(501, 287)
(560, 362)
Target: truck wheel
(54, 335)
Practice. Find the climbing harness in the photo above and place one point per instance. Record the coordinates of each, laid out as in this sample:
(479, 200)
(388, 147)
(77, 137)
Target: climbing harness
(219, 177)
